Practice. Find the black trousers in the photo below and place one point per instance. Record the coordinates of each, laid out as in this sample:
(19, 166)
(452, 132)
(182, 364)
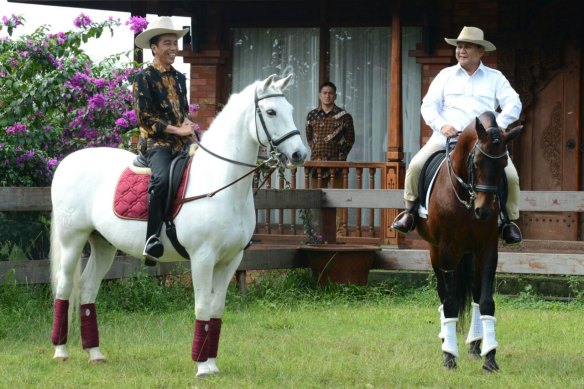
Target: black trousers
(159, 160)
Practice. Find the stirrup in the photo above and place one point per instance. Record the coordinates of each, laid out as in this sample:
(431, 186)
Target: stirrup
(153, 249)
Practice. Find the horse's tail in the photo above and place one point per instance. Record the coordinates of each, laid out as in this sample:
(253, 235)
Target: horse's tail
(55, 259)
(464, 288)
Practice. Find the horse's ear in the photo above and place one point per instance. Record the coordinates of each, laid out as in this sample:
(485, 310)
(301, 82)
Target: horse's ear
(513, 133)
(283, 83)
(480, 129)
(267, 82)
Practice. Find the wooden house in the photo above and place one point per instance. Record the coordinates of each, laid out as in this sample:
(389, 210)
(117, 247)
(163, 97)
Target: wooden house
(383, 54)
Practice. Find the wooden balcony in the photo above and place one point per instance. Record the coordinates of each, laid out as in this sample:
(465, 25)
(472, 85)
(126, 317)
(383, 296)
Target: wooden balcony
(363, 225)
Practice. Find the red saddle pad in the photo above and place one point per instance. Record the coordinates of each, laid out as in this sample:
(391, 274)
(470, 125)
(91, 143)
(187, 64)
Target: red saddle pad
(130, 198)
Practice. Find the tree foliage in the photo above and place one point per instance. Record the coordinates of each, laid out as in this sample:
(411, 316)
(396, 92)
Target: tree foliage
(54, 99)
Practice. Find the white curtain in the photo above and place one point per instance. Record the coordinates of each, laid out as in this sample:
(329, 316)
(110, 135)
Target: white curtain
(359, 67)
(360, 60)
(260, 52)
(411, 92)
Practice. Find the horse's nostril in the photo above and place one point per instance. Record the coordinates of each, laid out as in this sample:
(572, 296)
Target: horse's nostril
(298, 157)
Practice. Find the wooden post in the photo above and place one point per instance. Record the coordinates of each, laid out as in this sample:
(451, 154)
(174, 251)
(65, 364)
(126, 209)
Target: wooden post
(240, 276)
(395, 147)
(395, 173)
(329, 225)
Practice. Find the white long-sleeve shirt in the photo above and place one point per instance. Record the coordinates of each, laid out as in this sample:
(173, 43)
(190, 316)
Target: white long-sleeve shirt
(456, 98)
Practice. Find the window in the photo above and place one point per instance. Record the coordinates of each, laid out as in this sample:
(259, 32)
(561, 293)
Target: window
(359, 65)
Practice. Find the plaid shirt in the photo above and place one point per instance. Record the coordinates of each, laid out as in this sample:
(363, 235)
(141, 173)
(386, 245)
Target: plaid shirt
(160, 99)
(330, 136)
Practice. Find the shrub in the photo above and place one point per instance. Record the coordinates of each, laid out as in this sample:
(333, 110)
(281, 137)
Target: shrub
(54, 99)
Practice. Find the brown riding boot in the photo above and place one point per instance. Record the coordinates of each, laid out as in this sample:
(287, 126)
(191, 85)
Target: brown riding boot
(404, 222)
(511, 234)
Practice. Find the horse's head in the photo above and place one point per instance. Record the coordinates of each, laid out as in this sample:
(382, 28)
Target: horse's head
(275, 126)
(486, 161)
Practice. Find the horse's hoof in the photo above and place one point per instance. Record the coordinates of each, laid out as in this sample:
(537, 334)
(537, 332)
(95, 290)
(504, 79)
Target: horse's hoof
(449, 361)
(490, 367)
(203, 369)
(475, 349)
(95, 356)
(61, 353)
(212, 366)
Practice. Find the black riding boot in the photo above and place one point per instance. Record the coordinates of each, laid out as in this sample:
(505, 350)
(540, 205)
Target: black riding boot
(153, 249)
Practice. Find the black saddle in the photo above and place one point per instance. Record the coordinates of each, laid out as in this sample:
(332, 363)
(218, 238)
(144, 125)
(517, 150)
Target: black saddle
(176, 171)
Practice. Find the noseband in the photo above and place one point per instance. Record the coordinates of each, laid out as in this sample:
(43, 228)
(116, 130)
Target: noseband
(274, 143)
(471, 186)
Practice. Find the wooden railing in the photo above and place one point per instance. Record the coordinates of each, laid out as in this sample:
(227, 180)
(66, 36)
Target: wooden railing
(535, 257)
(363, 225)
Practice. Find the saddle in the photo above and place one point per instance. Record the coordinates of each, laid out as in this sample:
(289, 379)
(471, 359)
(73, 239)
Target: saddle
(426, 184)
(131, 193)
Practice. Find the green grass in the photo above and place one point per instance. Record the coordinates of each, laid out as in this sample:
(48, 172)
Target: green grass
(287, 334)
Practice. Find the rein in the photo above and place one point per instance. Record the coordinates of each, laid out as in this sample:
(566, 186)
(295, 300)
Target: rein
(267, 162)
(471, 186)
(274, 155)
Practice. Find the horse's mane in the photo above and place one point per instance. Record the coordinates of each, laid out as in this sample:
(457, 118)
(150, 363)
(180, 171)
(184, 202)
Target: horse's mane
(237, 102)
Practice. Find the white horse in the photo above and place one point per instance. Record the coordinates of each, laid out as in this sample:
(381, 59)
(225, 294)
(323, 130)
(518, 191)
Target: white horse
(213, 230)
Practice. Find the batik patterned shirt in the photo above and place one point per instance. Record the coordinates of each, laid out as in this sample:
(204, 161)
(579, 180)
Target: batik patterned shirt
(160, 99)
(331, 135)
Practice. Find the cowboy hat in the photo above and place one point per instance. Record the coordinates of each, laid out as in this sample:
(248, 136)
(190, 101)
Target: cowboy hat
(160, 26)
(472, 35)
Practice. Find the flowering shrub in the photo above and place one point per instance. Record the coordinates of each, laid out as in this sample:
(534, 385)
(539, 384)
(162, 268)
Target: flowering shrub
(55, 100)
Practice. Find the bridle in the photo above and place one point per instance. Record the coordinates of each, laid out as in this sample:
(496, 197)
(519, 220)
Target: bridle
(272, 162)
(274, 143)
(472, 187)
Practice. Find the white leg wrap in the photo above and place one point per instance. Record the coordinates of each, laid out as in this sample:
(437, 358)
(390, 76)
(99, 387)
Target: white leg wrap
(489, 342)
(442, 318)
(450, 344)
(475, 332)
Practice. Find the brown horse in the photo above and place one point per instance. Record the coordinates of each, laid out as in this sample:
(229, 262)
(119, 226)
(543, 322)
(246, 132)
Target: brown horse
(462, 231)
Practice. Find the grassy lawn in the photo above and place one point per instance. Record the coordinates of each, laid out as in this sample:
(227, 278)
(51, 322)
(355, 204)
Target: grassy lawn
(288, 334)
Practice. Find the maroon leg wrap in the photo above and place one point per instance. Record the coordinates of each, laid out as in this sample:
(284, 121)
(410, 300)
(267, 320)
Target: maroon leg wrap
(201, 342)
(60, 322)
(89, 331)
(214, 332)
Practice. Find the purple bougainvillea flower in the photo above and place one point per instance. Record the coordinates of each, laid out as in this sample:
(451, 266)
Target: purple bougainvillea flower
(122, 123)
(16, 128)
(194, 108)
(137, 24)
(97, 101)
(82, 21)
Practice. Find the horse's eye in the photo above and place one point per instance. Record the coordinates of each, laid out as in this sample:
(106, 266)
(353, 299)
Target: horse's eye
(271, 112)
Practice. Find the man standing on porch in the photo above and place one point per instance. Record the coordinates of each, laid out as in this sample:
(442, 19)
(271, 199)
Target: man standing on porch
(457, 95)
(330, 136)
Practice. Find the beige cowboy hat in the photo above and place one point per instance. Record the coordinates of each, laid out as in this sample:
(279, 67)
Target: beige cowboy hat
(472, 35)
(160, 26)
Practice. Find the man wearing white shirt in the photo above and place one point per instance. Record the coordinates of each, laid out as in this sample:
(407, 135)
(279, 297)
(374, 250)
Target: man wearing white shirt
(458, 95)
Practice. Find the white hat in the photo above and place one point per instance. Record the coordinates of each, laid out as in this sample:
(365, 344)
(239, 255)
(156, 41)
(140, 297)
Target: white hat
(160, 26)
(472, 35)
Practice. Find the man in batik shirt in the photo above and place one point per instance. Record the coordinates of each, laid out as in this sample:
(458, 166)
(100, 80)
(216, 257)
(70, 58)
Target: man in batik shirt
(330, 136)
(161, 105)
